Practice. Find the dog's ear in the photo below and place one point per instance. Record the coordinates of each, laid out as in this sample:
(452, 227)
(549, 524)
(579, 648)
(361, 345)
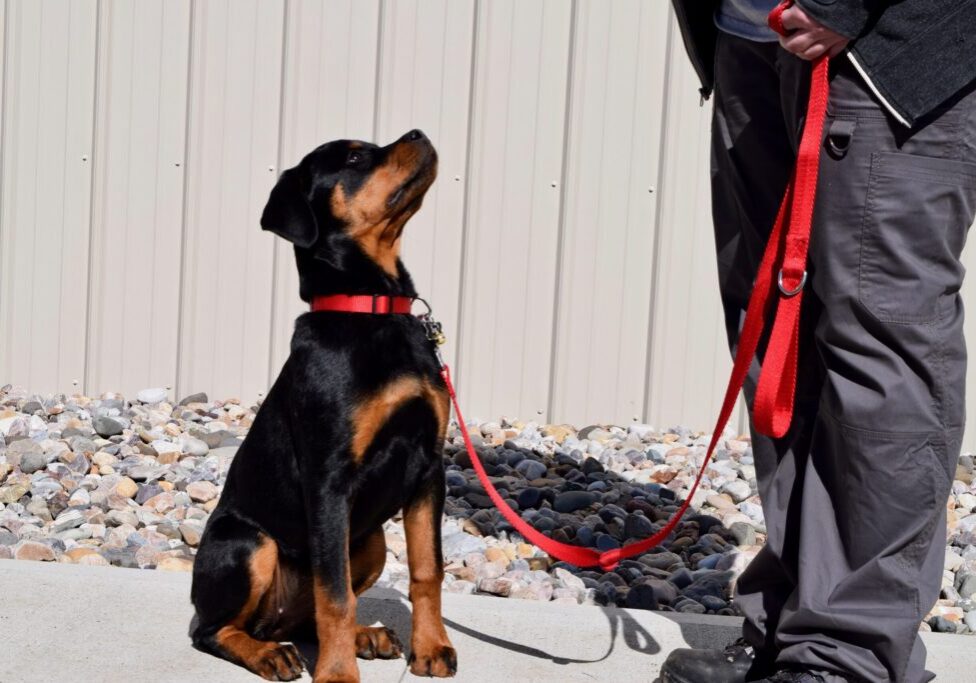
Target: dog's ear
(288, 212)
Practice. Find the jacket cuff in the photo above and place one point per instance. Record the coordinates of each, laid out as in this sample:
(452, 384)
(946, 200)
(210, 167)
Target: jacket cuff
(846, 17)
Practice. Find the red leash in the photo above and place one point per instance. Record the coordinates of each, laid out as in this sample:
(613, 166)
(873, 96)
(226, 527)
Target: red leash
(773, 405)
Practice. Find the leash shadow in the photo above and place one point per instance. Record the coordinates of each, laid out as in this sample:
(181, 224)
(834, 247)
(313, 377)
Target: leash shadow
(395, 614)
(635, 636)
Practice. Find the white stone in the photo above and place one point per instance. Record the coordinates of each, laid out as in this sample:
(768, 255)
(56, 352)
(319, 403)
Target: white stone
(153, 395)
(952, 560)
(738, 489)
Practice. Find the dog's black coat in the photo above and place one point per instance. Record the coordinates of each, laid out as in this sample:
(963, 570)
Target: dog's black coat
(295, 481)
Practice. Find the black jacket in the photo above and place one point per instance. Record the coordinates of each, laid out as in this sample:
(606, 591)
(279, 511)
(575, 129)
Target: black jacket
(915, 54)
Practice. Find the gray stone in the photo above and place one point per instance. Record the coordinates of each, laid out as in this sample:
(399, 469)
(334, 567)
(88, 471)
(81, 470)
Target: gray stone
(69, 519)
(942, 625)
(966, 585)
(195, 398)
(531, 469)
(18, 450)
(120, 517)
(638, 526)
(108, 426)
(570, 501)
(743, 533)
(33, 461)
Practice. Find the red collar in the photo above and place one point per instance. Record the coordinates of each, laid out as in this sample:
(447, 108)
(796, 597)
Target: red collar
(363, 303)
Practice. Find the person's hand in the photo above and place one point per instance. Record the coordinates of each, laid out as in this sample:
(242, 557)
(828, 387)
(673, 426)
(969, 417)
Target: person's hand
(808, 38)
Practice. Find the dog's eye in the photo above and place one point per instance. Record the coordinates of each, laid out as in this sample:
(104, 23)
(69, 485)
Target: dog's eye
(354, 158)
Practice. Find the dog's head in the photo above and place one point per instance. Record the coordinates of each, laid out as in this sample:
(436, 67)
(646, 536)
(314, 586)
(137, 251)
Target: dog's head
(349, 193)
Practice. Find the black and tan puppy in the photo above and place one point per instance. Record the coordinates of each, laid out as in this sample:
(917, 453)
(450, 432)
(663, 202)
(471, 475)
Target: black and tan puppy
(350, 433)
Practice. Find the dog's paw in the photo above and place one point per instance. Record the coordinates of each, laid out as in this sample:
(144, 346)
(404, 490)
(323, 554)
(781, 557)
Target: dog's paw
(377, 642)
(439, 661)
(277, 662)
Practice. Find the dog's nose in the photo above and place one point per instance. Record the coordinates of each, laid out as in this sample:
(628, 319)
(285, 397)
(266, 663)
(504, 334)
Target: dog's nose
(415, 134)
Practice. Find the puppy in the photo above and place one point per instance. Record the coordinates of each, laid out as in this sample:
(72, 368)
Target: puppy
(351, 432)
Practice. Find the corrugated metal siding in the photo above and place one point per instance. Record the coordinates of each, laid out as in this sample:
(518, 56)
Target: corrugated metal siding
(140, 142)
(512, 222)
(609, 201)
(49, 94)
(566, 245)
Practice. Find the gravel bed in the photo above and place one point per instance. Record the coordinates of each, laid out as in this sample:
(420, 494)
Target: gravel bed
(131, 483)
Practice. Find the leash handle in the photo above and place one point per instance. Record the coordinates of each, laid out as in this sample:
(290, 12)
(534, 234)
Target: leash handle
(775, 17)
(776, 391)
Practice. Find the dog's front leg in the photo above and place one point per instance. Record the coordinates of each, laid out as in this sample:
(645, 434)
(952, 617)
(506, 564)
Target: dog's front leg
(335, 602)
(431, 651)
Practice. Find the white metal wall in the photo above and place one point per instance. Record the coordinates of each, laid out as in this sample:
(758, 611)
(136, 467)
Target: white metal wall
(566, 245)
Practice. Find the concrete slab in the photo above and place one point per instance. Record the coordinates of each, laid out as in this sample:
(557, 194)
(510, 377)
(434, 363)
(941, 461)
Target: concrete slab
(63, 622)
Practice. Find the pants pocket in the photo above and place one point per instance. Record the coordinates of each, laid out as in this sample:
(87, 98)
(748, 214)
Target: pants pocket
(916, 215)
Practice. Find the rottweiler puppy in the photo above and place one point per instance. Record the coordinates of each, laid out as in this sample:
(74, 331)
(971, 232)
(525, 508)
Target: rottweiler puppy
(351, 432)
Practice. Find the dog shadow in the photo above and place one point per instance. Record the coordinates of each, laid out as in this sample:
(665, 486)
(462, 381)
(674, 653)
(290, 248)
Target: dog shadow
(394, 613)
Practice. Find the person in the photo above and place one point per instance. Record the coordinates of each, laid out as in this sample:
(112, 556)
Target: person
(854, 495)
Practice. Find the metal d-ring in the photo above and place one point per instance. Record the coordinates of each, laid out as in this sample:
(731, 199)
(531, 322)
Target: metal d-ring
(430, 310)
(791, 292)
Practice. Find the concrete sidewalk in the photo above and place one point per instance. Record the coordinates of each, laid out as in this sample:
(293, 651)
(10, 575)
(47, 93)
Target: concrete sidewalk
(62, 622)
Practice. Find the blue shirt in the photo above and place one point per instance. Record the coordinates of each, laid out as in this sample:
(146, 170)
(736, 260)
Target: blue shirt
(747, 19)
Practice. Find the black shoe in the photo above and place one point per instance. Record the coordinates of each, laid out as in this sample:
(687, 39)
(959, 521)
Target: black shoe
(735, 664)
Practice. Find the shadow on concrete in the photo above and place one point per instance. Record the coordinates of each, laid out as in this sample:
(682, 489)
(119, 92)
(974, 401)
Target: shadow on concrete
(393, 612)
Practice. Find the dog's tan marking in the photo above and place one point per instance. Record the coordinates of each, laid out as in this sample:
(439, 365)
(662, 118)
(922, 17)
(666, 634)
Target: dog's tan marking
(367, 561)
(431, 650)
(440, 401)
(269, 660)
(373, 412)
(367, 212)
(335, 627)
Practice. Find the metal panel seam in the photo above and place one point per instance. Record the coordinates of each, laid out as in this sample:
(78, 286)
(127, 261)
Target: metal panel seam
(468, 185)
(563, 198)
(278, 162)
(3, 128)
(378, 76)
(89, 309)
(662, 182)
(178, 380)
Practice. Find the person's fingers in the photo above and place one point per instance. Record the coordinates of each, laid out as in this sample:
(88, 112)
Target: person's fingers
(812, 44)
(812, 52)
(838, 47)
(795, 18)
(799, 41)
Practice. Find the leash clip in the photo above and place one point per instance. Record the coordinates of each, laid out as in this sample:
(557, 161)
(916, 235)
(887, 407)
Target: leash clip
(794, 291)
(434, 330)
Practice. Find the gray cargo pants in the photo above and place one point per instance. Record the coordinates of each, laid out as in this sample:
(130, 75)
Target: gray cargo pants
(855, 495)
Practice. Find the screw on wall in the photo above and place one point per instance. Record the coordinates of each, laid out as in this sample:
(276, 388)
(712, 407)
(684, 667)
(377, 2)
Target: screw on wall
(84, 157)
